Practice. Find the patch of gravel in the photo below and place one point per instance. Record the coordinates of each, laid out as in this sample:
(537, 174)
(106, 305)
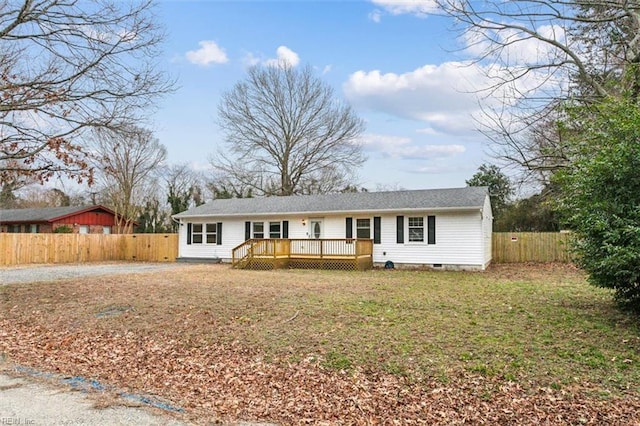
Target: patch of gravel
(38, 273)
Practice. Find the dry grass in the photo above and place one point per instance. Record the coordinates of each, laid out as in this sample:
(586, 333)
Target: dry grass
(293, 346)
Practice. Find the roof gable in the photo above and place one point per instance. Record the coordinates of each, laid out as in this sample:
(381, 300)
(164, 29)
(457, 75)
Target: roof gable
(426, 199)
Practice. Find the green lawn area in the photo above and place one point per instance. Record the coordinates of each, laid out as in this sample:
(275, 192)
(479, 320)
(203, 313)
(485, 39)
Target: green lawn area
(530, 326)
(537, 326)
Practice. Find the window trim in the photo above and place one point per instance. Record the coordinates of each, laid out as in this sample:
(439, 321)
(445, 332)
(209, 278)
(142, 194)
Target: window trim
(202, 233)
(197, 235)
(415, 227)
(272, 233)
(368, 228)
(254, 234)
(208, 233)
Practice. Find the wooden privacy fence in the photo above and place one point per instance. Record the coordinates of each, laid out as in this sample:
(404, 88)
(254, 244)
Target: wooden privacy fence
(19, 249)
(514, 247)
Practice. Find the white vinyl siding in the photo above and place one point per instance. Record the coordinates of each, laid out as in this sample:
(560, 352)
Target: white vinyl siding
(232, 235)
(458, 241)
(487, 230)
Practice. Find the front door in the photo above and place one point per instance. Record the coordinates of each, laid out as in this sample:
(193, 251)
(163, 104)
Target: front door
(315, 228)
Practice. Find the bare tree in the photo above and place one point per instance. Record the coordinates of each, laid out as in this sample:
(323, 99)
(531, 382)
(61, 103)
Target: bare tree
(126, 161)
(541, 54)
(40, 196)
(68, 66)
(182, 188)
(286, 132)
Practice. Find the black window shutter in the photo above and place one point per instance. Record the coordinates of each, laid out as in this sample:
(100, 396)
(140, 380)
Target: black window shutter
(188, 233)
(400, 229)
(376, 229)
(431, 229)
(219, 233)
(285, 229)
(349, 230)
(247, 231)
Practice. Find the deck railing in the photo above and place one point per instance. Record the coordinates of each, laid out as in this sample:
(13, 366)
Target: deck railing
(326, 253)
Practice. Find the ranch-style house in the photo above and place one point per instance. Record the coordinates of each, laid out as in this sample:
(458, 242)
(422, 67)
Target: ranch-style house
(435, 228)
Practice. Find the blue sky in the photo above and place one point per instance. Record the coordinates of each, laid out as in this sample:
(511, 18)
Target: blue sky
(401, 70)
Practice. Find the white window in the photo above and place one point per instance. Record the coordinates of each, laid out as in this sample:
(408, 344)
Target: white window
(83, 229)
(274, 229)
(212, 232)
(416, 229)
(363, 228)
(106, 229)
(258, 229)
(33, 229)
(196, 233)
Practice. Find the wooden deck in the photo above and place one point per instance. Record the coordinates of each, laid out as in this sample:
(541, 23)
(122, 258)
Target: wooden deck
(349, 254)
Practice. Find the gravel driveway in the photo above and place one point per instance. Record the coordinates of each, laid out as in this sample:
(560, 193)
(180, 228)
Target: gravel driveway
(29, 273)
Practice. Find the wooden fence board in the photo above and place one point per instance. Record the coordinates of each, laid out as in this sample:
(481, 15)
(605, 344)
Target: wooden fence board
(515, 247)
(20, 249)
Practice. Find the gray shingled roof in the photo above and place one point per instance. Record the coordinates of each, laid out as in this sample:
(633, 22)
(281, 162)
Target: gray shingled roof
(427, 199)
(45, 214)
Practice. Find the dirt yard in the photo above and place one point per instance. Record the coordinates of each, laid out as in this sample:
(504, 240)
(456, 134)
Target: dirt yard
(514, 345)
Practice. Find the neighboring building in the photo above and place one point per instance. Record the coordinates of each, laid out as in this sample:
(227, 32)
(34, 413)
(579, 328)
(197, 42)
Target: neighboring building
(81, 220)
(440, 228)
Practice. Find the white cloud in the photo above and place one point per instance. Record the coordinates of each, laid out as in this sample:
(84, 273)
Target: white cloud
(427, 131)
(250, 60)
(208, 53)
(440, 95)
(325, 70)
(403, 148)
(376, 16)
(199, 166)
(127, 36)
(445, 97)
(415, 7)
(285, 56)
(439, 169)
(519, 47)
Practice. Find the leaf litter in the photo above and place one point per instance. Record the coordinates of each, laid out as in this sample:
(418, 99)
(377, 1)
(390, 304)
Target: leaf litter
(227, 380)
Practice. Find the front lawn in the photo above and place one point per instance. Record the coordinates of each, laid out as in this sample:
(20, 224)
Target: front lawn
(516, 344)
